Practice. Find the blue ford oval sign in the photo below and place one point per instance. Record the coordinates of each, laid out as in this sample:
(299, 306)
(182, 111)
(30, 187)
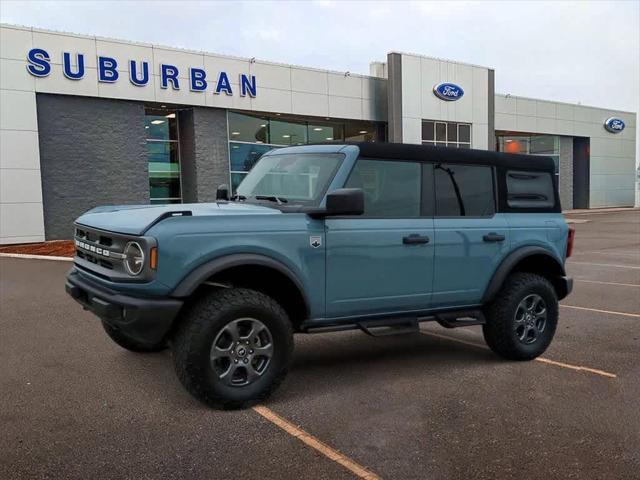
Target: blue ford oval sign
(614, 125)
(448, 91)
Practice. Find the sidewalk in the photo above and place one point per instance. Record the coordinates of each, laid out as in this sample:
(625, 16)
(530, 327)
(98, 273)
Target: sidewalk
(584, 211)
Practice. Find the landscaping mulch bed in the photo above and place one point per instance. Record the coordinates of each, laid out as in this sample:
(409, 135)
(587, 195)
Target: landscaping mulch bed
(55, 248)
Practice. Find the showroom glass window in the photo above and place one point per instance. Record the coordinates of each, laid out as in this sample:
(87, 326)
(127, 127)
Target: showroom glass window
(547, 145)
(163, 153)
(446, 134)
(251, 136)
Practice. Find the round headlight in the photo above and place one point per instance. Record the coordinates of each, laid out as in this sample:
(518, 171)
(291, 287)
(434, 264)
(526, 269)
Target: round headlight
(133, 258)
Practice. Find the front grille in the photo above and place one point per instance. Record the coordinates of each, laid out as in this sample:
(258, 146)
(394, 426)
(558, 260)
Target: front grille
(101, 252)
(85, 234)
(93, 259)
(106, 241)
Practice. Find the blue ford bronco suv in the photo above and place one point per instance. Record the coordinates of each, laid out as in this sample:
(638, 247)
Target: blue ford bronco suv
(318, 238)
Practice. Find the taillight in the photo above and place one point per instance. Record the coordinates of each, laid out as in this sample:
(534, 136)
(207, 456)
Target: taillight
(570, 237)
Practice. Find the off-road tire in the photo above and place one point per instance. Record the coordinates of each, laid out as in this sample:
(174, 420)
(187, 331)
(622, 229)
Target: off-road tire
(130, 344)
(499, 331)
(199, 326)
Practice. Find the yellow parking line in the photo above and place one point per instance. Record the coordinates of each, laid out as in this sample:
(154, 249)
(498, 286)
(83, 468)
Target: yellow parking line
(607, 283)
(316, 444)
(538, 359)
(576, 367)
(635, 315)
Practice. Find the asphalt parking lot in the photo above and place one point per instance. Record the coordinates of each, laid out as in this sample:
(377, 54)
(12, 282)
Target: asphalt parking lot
(435, 405)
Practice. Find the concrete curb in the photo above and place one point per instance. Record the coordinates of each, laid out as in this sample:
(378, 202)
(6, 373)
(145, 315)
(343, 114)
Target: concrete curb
(595, 211)
(35, 257)
(576, 220)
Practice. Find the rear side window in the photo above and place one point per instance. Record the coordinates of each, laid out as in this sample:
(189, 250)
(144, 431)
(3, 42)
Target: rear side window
(464, 190)
(391, 188)
(530, 189)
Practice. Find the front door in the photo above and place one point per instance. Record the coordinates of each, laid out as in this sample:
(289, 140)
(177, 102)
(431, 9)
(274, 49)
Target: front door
(381, 261)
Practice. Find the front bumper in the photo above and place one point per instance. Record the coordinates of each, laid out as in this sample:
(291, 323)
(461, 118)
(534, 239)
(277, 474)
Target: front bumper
(146, 320)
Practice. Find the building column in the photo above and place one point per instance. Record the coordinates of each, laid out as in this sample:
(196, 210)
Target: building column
(21, 213)
(566, 172)
(394, 97)
(204, 153)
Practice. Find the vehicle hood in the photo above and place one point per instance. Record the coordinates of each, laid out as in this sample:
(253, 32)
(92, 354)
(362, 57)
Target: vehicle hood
(137, 219)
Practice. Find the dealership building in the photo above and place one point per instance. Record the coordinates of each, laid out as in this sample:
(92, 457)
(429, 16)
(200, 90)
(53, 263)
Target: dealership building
(89, 121)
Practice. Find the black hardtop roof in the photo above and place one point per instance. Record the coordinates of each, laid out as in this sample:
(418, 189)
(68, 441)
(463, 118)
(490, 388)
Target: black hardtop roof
(427, 153)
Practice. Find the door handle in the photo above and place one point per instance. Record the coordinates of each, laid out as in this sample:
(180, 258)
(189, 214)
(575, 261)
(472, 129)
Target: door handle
(493, 237)
(415, 239)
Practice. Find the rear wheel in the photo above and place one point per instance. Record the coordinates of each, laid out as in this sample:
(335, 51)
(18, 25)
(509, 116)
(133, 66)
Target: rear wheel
(523, 317)
(129, 343)
(233, 347)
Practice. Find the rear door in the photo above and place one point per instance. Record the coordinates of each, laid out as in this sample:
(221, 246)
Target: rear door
(382, 261)
(470, 238)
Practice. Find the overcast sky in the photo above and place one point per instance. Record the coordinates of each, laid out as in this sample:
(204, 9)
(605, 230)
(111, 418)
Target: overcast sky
(585, 52)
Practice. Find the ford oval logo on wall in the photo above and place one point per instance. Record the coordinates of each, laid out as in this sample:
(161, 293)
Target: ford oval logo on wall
(614, 125)
(448, 91)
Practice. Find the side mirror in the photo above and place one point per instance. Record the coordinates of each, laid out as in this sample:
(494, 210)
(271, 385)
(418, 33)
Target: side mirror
(222, 192)
(345, 201)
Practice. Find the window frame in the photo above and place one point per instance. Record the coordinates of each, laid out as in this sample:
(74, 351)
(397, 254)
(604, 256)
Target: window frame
(427, 207)
(446, 142)
(176, 141)
(494, 191)
(502, 138)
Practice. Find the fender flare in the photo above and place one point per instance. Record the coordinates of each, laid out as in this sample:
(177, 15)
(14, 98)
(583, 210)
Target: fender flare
(200, 274)
(511, 261)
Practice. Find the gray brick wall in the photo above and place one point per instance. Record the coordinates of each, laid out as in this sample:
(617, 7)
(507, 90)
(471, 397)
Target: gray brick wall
(187, 156)
(204, 152)
(92, 152)
(211, 151)
(566, 173)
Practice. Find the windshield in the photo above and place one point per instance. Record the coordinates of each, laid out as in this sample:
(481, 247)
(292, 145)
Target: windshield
(291, 177)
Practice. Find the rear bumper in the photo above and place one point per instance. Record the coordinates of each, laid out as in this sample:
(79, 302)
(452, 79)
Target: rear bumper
(564, 287)
(146, 320)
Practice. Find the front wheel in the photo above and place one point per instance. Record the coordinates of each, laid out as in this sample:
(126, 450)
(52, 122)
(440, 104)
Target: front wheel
(233, 347)
(523, 317)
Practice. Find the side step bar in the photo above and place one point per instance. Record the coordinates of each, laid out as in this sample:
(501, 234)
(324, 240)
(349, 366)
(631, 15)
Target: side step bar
(380, 327)
(464, 318)
(389, 326)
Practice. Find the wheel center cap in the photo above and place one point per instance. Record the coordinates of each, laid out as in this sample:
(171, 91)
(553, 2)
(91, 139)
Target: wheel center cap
(241, 351)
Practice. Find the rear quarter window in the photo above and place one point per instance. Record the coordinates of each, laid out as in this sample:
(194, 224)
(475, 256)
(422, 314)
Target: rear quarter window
(528, 189)
(464, 190)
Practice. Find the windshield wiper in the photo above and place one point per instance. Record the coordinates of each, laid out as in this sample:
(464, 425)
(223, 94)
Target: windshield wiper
(272, 198)
(237, 196)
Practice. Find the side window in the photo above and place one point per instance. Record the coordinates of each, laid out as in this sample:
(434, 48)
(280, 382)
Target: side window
(530, 189)
(464, 190)
(392, 188)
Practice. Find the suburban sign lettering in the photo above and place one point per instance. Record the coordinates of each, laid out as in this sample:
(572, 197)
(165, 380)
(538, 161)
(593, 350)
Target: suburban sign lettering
(448, 91)
(73, 68)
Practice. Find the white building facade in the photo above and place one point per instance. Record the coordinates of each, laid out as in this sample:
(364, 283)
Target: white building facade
(87, 121)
